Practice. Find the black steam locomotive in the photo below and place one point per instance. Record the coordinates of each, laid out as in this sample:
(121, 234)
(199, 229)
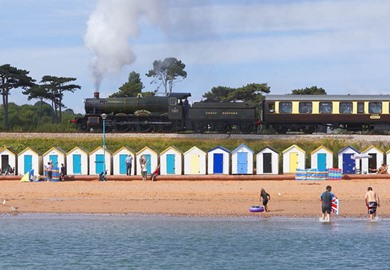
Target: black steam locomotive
(281, 113)
(165, 114)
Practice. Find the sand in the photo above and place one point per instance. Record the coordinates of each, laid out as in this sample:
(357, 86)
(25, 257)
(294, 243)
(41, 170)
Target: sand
(289, 198)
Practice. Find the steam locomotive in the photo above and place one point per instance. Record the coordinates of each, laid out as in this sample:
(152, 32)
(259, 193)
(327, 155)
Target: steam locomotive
(281, 113)
(164, 114)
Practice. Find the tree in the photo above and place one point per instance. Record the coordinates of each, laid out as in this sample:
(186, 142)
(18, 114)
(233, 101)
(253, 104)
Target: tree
(167, 72)
(10, 78)
(131, 88)
(39, 92)
(314, 90)
(250, 93)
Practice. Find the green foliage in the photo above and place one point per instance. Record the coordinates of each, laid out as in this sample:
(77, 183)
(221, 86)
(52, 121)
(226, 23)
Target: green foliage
(314, 90)
(131, 88)
(167, 72)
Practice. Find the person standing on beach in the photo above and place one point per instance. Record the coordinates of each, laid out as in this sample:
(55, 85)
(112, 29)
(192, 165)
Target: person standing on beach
(129, 161)
(144, 171)
(265, 197)
(326, 199)
(372, 202)
(49, 170)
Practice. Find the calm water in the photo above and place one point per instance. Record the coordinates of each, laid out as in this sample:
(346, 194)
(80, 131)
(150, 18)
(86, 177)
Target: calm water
(163, 242)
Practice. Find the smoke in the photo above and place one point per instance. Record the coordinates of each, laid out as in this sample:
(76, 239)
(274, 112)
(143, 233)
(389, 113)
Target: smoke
(109, 29)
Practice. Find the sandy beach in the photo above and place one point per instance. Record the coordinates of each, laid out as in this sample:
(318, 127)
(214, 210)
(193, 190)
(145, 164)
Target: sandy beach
(289, 198)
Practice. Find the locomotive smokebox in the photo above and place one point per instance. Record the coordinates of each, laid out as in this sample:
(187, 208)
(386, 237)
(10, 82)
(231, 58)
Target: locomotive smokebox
(96, 94)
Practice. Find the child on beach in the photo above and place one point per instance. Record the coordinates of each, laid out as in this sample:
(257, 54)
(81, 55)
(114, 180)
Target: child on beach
(265, 197)
(372, 202)
(326, 200)
(156, 172)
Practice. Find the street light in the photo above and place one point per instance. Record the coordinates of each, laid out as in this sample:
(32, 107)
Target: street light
(104, 116)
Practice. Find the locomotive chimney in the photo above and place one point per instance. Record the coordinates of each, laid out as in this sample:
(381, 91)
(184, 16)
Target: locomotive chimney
(96, 94)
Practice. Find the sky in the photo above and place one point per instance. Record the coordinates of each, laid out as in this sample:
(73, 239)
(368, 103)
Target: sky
(342, 46)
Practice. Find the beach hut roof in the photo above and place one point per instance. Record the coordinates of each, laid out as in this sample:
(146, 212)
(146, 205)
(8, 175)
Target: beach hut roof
(293, 146)
(242, 146)
(77, 148)
(319, 148)
(174, 148)
(372, 147)
(220, 147)
(99, 148)
(58, 149)
(147, 148)
(126, 148)
(270, 148)
(27, 149)
(194, 148)
(348, 147)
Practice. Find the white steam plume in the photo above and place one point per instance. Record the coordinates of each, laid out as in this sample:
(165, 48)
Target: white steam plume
(110, 26)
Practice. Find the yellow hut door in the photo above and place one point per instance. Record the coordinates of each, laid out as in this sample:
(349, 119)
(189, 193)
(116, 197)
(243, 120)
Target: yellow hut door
(194, 164)
(293, 162)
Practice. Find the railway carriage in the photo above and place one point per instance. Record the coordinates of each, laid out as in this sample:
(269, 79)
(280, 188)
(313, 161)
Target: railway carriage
(317, 113)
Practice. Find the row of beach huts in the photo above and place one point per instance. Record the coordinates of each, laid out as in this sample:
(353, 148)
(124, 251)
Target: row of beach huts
(195, 161)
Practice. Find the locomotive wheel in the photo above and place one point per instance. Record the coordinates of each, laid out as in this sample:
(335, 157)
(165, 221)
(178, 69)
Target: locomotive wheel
(144, 127)
(122, 127)
(221, 127)
(83, 126)
(246, 127)
(199, 127)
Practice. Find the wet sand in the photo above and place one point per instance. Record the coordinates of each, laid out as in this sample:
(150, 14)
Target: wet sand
(289, 198)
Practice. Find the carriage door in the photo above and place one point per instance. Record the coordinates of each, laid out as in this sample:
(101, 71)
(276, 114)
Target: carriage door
(170, 164)
(218, 163)
(27, 163)
(242, 162)
(372, 162)
(194, 164)
(99, 166)
(77, 164)
(321, 162)
(267, 163)
(348, 164)
(122, 164)
(293, 162)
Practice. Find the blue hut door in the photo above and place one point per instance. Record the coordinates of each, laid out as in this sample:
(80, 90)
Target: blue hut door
(148, 163)
(170, 164)
(99, 163)
(242, 162)
(321, 162)
(54, 160)
(218, 163)
(76, 164)
(267, 163)
(27, 163)
(348, 164)
(122, 164)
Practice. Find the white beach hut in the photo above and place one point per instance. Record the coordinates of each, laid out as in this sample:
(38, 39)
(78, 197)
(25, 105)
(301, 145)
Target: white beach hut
(118, 161)
(98, 160)
(267, 161)
(242, 160)
(171, 160)
(55, 155)
(346, 162)
(77, 161)
(194, 161)
(293, 158)
(321, 159)
(372, 159)
(8, 160)
(151, 156)
(218, 160)
(28, 160)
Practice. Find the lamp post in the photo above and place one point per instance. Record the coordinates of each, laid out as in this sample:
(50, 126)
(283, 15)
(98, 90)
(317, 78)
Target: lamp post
(104, 116)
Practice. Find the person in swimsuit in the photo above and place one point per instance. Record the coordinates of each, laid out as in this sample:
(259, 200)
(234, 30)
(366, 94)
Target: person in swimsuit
(372, 202)
(326, 199)
(265, 197)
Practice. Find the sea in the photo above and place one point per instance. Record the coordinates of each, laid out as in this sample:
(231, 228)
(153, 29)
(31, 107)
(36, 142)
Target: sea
(70, 241)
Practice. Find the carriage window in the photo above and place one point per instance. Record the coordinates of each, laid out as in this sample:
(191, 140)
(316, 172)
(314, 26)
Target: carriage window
(173, 101)
(305, 107)
(346, 107)
(325, 107)
(271, 107)
(285, 107)
(375, 107)
(360, 107)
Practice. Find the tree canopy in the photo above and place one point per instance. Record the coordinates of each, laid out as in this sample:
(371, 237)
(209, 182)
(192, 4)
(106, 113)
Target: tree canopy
(314, 90)
(167, 72)
(131, 88)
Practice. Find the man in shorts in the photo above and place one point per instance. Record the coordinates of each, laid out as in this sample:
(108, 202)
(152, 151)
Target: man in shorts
(326, 199)
(372, 202)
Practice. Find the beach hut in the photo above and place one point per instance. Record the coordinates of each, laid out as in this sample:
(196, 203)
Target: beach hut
(194, 161)
(372, 159)
(56, 156)
(28, 160)
(151, 156)
(293, 158)
(77, 161)
(267, 161)
(171, 160)
(218, 160)
(346, 162)
(242, 160)
(8, 161)
(98, 159)
(118, 161)
(321, 159)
